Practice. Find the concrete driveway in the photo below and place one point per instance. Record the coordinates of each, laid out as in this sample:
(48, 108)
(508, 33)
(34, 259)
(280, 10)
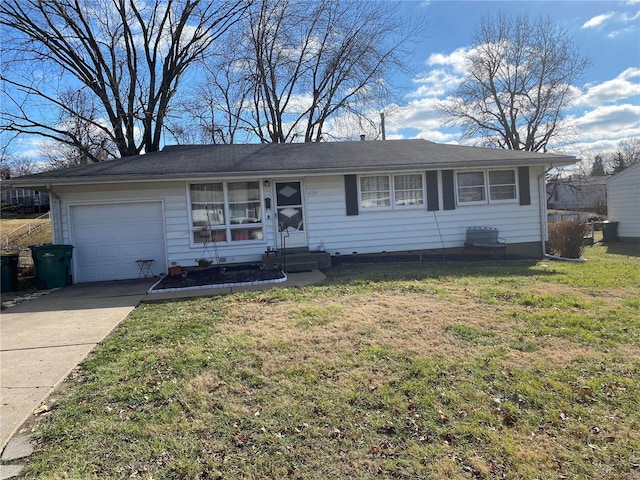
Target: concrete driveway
(43, 339)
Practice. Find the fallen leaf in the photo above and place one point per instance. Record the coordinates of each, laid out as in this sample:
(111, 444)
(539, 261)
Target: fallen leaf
(443, 418)
(509, 420)
(41, 409)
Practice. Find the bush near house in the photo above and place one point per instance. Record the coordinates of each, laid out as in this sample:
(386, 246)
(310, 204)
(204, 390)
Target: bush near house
(566, 238)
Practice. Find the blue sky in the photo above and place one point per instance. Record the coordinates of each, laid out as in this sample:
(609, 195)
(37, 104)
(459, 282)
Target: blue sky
(607, 32)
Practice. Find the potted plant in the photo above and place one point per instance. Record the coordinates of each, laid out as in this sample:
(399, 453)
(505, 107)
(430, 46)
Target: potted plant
(203, 262)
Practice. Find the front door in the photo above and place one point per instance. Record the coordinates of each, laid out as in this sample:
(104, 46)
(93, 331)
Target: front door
(290, 215)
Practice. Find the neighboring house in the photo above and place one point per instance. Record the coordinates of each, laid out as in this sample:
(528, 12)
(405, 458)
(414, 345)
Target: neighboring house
(578, 194)
(231, 203)
(624, 202)
(24, 198)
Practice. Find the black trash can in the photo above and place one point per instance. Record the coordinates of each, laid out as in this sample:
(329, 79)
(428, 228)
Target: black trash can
(51, 265)
(9, 272)
(609, 231)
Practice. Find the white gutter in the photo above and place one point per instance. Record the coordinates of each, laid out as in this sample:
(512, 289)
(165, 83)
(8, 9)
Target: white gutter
(56, 217)
(542, 193)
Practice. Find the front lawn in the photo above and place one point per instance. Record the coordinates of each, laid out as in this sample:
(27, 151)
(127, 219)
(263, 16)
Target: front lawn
(520, 370)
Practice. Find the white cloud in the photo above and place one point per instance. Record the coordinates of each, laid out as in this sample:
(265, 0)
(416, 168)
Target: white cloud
(625, 21)
(611, 121)
(598, 20)
(445, 74)
(600, 129)
(604, 112)
(435, 83)
(624, 86)
(455, 60)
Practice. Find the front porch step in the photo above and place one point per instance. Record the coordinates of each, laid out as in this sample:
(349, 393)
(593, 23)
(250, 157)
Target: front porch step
(298, 262)
(300, 267)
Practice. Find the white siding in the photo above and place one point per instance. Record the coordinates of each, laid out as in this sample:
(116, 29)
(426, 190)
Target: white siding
(623, 202)
(410, 228)
(327, 225)
(176, 214)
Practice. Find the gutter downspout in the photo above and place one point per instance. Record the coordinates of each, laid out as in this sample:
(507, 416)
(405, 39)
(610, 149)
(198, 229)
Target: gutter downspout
(542, 193)
(56, 223)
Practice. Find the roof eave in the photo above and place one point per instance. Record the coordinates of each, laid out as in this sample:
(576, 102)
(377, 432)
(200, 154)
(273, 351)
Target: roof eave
(46, 182)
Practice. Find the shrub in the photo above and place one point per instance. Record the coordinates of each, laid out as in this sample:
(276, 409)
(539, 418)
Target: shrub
(566, 238)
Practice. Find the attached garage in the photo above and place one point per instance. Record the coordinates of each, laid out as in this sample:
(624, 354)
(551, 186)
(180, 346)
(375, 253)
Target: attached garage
(109, 238)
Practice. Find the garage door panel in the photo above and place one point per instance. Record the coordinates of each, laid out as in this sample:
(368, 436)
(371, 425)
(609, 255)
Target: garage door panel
(108, 239)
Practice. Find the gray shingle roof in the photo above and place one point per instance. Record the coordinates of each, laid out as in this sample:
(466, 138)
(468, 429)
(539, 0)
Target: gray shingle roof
(179, 162)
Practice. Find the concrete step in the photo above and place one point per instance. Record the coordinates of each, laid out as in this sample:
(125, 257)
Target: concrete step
(300, 267)
(302, 261)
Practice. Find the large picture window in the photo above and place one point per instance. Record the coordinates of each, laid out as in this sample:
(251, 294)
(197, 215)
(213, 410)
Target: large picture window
(472, 186)
(391, 191)
(226, 211)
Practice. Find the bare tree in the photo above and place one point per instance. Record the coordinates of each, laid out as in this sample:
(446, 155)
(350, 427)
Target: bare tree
(16, 166)
(85, 142)
(297, 65)
(130, 55)
(518, 82)
(627, 154)
(213, 113)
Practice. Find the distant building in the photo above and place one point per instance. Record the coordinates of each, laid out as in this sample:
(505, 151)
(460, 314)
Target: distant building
(23, 199)
(578, 194)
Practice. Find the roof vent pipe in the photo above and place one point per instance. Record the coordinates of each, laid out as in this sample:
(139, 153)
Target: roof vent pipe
(362, 137)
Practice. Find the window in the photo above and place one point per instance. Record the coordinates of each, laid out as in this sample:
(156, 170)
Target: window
(375, 191)
(386, 191)
(408, 190)
(502, 184)
(223, 212)
(472, 186)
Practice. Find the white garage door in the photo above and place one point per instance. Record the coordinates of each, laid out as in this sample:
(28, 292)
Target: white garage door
(108, 239)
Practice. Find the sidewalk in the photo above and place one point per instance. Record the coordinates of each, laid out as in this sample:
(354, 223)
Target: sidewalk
(42, 340)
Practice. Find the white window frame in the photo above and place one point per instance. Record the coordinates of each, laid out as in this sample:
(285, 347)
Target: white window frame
(487, 187)
(391, 177)
(228, 227)
(484, 187)
(515, 185)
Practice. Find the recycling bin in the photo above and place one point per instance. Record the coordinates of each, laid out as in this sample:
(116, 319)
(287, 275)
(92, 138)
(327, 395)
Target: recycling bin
(609, 231)
(51, 265)
(9, 272)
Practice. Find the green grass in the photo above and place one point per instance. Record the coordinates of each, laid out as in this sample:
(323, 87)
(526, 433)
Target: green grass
(446, 370)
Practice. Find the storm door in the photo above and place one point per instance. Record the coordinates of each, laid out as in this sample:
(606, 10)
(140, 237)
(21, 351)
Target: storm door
(290, 215)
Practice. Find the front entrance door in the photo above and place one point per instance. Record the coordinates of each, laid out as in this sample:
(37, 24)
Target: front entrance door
(290, 215)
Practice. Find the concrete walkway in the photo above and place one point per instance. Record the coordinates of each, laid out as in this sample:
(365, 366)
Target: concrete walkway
(42, 340)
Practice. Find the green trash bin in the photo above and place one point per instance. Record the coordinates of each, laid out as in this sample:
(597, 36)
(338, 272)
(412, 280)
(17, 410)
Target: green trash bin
(9, 272)
(51, 265)
(609, 231)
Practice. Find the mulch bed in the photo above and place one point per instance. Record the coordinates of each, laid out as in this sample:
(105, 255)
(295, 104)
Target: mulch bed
(197, 277)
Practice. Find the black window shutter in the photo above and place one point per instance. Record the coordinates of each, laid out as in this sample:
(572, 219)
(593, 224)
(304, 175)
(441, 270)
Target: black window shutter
(432, 190)
(523, 182)
(448, 190)
(351, 194)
